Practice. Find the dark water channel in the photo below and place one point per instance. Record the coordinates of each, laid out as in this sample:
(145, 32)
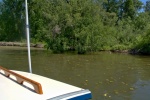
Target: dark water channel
(110, 76)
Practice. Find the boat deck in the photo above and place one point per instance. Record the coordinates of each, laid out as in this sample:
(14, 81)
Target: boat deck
(52, 89)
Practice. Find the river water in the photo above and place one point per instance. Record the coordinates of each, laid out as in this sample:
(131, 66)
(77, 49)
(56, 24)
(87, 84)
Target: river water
(109, 76)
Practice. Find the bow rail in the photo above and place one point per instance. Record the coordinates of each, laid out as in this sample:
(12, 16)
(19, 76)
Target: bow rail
(20, 79)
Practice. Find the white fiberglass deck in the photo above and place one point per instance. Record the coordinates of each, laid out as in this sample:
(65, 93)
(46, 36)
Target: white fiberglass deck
(52, 89)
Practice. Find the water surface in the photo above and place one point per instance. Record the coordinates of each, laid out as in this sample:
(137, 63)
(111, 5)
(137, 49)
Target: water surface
(110, 76)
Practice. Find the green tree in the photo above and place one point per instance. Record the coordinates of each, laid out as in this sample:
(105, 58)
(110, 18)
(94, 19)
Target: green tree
(138, 5)
(78, 25)
(70, 23)
(12, 19)
(123, 8)
(129, 9)
(147, 6)
(37, 22)
(144, 45)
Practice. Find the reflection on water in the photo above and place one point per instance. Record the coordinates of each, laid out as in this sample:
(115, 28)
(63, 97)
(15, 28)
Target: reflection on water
(142, 91)
(109, 76)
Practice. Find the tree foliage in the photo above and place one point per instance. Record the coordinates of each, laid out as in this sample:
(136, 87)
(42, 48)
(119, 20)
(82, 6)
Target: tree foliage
(12, 22)
(147, 6)
(78, 25)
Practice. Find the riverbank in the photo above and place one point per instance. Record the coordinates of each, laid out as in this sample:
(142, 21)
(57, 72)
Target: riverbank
(37, 45)
(40, 45)
(132, 51)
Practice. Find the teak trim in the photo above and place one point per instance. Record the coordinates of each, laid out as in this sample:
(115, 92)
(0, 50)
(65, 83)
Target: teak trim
(20, 79)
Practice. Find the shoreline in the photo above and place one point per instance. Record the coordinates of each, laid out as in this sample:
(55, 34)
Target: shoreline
(40, 45)
(19, 44)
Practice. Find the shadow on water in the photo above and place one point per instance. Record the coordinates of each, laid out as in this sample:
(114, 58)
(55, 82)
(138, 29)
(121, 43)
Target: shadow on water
(109, 76)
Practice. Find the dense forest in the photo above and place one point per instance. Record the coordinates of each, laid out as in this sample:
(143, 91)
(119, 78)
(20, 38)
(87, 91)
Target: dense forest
(79, 25)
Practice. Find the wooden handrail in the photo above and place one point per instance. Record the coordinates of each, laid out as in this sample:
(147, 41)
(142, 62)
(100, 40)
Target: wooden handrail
(20, 79)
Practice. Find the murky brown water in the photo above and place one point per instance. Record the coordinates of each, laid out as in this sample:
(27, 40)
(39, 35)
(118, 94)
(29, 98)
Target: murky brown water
(109, 76)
